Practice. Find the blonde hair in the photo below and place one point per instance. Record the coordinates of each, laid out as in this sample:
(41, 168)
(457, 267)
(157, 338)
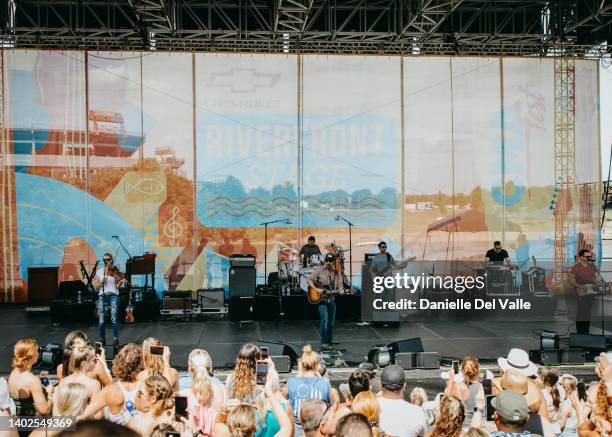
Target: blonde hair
(201, 386)
(470, 367)
(152, 363)
(23, 353)
(241, 421)
(200, 358)
(70, 399)
(569, 384)
(476, 432)
(309, 360)
(80, 353)
(449, 422)
(418, 396)
(366, 403)
(158, 387)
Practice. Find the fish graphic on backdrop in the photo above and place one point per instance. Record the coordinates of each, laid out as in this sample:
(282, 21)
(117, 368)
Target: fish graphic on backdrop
(145, 186)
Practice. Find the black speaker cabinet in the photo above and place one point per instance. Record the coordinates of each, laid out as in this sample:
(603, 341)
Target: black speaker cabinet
(556, 357)
(588, 341)
(242, 281)
(408, 345)
(282, 363)
(241, 308)
(418, 360)
(267, 307)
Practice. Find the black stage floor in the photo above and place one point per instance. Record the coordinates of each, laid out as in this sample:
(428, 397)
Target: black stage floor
(222, 338)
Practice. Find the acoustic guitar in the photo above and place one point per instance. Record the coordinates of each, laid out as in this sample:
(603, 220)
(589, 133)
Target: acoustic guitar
(320, 294)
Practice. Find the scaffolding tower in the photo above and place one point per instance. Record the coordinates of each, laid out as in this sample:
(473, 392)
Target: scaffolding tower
(565, 160)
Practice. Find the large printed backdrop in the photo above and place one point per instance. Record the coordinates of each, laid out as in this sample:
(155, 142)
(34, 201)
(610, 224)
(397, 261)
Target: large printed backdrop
(186, 155)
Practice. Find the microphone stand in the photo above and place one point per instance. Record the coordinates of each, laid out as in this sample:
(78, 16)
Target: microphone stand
(123, 247)
(265, 225)
(350, 227)
(603, 293)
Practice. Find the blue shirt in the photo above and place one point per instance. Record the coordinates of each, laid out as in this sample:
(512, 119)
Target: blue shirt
(304, 388)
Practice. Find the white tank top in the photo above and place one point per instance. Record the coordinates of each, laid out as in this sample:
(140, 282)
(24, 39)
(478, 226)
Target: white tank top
(129, 407)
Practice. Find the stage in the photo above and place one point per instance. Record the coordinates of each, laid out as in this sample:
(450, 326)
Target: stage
(222, 338)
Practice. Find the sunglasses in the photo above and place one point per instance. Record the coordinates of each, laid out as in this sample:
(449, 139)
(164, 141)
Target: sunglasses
(107, 259)
(383, 247)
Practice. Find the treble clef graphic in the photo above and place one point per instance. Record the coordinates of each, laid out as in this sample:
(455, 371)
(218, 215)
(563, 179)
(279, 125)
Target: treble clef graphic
(173, 229)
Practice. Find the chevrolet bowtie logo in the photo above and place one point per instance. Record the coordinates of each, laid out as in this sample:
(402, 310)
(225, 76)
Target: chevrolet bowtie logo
(243, 80)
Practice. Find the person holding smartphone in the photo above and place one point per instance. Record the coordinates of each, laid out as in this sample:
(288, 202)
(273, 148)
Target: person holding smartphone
(156, 361)
(242, 422)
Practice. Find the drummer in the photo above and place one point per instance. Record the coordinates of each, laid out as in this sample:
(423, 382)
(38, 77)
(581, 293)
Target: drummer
(308, 250)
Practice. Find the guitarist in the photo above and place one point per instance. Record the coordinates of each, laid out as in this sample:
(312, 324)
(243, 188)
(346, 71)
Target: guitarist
(382, 263)
(327, 277)
(583, 276)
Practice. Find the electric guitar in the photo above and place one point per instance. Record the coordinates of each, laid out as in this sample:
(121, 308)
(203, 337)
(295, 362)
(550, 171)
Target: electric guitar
(397, 266)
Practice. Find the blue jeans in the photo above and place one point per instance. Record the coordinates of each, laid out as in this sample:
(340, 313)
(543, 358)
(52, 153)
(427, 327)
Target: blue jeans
(112, 301)
(327, 311)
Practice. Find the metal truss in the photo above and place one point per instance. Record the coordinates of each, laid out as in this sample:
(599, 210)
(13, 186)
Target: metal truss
(420, 27)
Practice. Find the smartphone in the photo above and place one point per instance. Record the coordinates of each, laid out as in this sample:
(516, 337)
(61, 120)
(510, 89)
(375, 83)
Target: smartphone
(261, 372)
(157, 350)
(264, 352)
(489, 408)
(98, 346)
(180, 407)
(581, 387)
(455, 367)
(487, 386)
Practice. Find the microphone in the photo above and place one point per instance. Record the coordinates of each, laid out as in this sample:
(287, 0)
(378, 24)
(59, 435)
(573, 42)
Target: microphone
(288, 221)
(115, 236)
(337, 218)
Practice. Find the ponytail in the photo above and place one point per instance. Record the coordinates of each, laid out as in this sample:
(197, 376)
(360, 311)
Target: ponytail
(556, 397)
(201, 386)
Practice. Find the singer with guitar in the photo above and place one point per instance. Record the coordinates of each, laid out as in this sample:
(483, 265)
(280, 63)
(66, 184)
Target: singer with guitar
(106, 281)
(324, 282)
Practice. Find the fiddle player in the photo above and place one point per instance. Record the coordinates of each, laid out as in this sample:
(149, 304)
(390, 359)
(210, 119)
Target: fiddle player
(106, 281)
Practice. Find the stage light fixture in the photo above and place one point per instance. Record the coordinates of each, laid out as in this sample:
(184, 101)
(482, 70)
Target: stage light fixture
(549, 340)
(50, 356)
(380, 355)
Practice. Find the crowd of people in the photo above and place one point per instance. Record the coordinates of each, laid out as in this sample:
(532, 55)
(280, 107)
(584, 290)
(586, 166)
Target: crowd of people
(142, 395)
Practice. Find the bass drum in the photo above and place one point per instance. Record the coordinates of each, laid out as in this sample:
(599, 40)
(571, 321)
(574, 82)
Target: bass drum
(304, 274)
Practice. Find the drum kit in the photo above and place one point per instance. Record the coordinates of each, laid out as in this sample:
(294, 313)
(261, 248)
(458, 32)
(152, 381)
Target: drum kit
(293, 275)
